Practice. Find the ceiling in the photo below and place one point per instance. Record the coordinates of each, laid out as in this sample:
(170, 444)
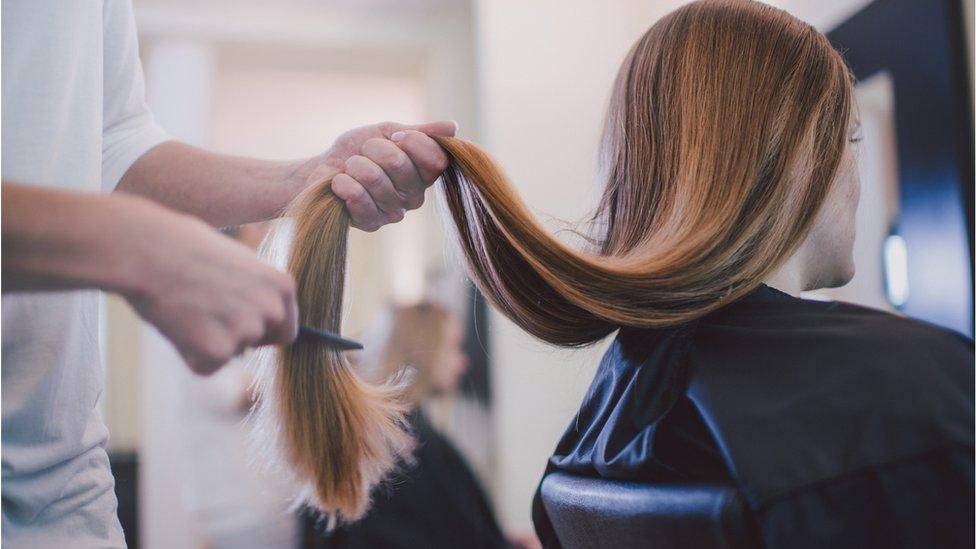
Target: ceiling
(380, 7)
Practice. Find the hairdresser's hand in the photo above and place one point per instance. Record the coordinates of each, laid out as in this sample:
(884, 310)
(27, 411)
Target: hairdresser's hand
(208, 294)
(385, 169)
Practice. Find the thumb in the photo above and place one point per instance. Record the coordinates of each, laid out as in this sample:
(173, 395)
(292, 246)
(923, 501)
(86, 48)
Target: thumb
(444, 128)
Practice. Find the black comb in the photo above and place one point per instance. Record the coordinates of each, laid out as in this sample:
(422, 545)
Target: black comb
(329, 338)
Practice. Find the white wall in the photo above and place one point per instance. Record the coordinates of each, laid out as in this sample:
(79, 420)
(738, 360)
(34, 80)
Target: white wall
(545, 70)
(823, 14)
(179, 75)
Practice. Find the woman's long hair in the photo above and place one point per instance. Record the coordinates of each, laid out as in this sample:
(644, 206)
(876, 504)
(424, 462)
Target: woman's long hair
(726, 127)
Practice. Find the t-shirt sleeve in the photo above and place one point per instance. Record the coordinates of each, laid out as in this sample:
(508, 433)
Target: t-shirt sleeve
(128, 128)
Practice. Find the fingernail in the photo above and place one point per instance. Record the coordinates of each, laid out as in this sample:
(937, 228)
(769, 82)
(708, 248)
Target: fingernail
(398, 136)
(456, 127)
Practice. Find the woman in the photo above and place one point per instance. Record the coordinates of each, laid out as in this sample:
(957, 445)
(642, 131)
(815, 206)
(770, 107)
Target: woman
(731, 188)
(436, 501)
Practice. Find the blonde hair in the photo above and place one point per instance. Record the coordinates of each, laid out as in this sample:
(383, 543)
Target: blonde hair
(409, 336)
(726, 127)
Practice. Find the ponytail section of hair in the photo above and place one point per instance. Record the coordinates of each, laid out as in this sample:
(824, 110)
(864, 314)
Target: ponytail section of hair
(558, 294)
(336, 434)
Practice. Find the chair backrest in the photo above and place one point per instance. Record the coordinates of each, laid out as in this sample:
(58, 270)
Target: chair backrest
(595, 513)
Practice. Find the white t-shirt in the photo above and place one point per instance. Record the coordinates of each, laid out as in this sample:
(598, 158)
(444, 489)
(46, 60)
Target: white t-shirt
(74, 117)
(233, 499)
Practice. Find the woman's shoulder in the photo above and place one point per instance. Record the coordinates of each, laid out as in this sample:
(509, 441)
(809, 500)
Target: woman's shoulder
(812, 390)
(769, 321)
(836, 358)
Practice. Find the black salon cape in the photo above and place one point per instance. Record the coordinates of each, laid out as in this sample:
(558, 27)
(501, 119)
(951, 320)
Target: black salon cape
(434, 503)
(841, 426)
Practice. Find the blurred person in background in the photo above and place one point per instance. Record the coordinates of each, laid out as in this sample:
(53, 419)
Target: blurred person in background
(435, 502)
(234, 502)
(75, 128)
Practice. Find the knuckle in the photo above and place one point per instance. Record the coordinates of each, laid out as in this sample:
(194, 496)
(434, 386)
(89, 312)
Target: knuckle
(285, 283)
(275, 312)
(427, 151)
(395, 158)
(352, 165)
(195, 364)
(367, 226)
(417, 141)
(208, 349)
(386, 153)
(341, 182)
(358, 197)
(374, 144)
(363, 170)
(217, 351)
(250, 328)
(395, 216)
(440, 162)
(207, 367)
(415, 201)
(350, 190)
(201, 367)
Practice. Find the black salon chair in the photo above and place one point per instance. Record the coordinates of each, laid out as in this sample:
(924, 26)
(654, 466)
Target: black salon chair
(589, 513)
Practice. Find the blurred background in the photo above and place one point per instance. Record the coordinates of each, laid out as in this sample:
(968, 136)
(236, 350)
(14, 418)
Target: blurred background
(529, 80)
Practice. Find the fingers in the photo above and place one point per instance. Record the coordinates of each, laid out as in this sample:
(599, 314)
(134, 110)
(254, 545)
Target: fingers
(364, 213)
(390, 174)
(268, 317)
(444, 128)
(387, 175)
(405, 182)
(281, 314)
(213, 349)
(396, 172)
(428, 158)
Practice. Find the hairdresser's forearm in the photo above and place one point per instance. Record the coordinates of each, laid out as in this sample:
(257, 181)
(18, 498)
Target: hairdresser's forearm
(55, 239)
(222, 190)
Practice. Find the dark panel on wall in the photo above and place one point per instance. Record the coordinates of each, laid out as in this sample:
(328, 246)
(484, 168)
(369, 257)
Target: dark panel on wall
(477, 381)
(921, 43)
(125, 469)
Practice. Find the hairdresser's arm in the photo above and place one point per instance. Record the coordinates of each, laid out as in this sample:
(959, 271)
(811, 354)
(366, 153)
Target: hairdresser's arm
(379, 171)
(208, 294)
